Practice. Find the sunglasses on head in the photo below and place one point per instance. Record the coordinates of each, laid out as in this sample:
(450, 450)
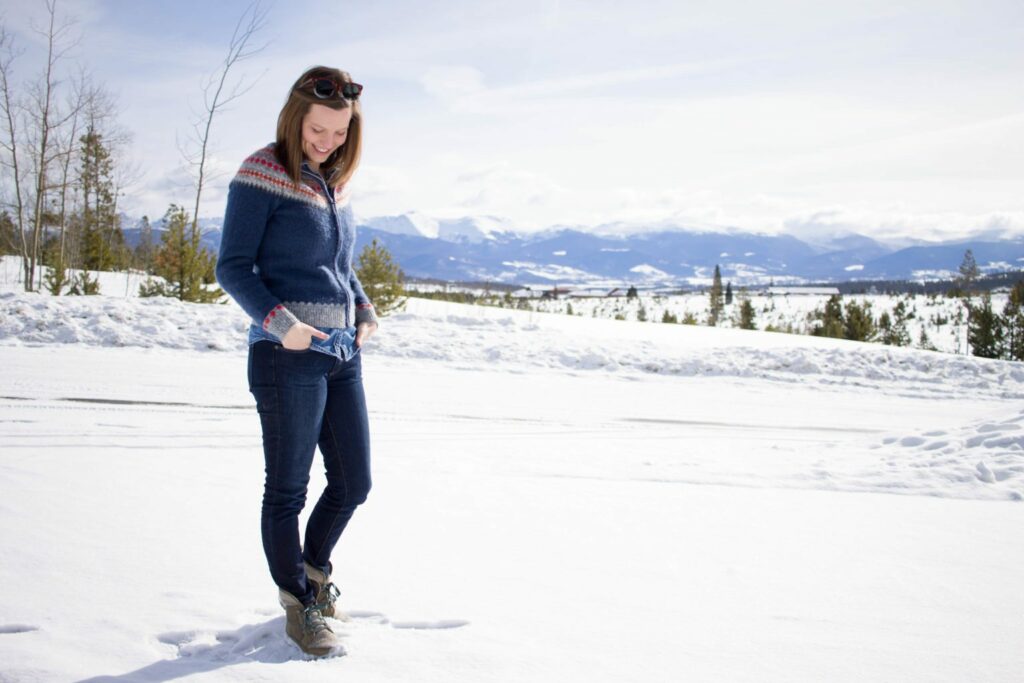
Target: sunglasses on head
(324, 88)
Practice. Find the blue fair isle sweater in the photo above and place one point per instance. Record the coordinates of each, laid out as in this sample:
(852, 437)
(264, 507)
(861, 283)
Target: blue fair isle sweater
(286, 251)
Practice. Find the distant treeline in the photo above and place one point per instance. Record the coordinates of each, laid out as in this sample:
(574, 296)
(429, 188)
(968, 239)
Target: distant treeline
(485, 286)
(952, 287)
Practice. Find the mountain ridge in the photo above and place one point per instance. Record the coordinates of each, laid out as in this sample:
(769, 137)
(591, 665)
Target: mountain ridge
(484, 248)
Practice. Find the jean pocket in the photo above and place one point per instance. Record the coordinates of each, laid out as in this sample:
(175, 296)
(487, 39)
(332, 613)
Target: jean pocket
(294, 351)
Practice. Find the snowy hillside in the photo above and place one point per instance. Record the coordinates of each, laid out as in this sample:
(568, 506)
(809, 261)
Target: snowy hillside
(556, 498)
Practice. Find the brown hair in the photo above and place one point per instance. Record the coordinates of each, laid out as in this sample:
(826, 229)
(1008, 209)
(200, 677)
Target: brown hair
(344, 161)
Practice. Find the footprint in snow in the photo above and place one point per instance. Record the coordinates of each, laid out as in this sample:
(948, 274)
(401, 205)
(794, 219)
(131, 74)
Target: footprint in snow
(378, 618)
(267, 642)
(1006, 426)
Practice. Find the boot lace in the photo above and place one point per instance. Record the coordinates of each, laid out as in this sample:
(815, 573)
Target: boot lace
(330, 594)
(314, 619)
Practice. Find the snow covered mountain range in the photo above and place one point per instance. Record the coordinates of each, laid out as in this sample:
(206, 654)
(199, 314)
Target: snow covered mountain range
(485, 248)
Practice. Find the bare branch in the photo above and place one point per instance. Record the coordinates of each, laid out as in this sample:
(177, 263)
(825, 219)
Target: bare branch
(240, 48)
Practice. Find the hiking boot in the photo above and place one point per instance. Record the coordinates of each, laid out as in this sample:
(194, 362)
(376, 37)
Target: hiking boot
(326, 592)
(308, 628)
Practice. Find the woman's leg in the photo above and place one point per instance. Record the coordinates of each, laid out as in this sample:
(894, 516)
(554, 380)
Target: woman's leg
(290, 390)
(345, 445)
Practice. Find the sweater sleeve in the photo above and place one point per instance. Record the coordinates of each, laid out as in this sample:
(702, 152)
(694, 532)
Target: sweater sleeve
(364, 308)
(245, 221)
(365, 312)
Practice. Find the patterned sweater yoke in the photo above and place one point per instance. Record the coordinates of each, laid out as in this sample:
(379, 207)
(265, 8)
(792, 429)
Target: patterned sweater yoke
(262, 169)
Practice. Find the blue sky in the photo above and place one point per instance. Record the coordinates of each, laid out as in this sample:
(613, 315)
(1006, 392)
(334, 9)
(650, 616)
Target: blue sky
(900, 120)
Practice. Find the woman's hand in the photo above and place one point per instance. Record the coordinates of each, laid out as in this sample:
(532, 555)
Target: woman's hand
(363, 332)
(300, 336)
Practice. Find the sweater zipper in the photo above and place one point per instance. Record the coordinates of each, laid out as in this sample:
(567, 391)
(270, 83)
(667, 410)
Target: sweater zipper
(338, 235)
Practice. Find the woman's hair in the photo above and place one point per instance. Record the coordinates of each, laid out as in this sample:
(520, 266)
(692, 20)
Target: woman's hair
(345, 159)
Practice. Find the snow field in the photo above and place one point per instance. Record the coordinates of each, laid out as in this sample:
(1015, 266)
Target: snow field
(943, 320)
(556, 498)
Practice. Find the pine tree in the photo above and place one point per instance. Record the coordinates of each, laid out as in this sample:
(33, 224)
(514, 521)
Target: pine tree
(382, 278)
(984, 329)
(923, 342)
(885, 328)
(667, 317)
(893, 330)
(631, 293)
(747, 315)
(102, 240)
(968, 271)
(716, 305)
(728, 293)
(1013, 318)
(8, 234)
(57, 276)
(185, 266)
(829, 322)
(84, 284)
(858, 325)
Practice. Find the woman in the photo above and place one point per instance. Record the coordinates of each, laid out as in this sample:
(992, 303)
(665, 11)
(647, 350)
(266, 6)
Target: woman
(286, 258)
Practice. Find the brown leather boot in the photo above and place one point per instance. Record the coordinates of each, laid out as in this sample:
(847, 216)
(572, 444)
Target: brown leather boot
(308, 628)
(326, 592)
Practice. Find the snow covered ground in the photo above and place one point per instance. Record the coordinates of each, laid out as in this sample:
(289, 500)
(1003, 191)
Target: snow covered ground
(556, 498)
(942, 320)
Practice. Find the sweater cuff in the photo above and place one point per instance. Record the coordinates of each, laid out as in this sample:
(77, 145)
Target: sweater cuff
(365, 314)
(279, 321)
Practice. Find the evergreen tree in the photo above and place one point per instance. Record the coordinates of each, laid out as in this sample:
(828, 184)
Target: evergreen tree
(747, 315)
(728, 293)
(885, 328)
(641, 314)
(382, 278)
(631, 293)
(984, 329)
(893, 331)
(716, 304)
(84, 284)
(8, 235)
(858, 325)
(667, 317)
(185, 266)
(57, 276)
(923, 342)
(1013, 318)
(968, 271)
(102, 240)
(829, 322)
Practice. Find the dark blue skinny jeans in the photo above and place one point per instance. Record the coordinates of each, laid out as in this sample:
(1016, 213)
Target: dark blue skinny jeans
(306, 399)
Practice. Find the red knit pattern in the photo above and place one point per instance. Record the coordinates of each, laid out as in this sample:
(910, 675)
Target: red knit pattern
(272, 314)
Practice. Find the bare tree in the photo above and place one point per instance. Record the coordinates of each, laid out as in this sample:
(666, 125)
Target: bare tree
(32, 137)
(218, 94)
(12, 132)
(66, 146)
(46, 118)
(181, 259)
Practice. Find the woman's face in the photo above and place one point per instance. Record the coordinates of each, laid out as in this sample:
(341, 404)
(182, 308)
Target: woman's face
(323, 131)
